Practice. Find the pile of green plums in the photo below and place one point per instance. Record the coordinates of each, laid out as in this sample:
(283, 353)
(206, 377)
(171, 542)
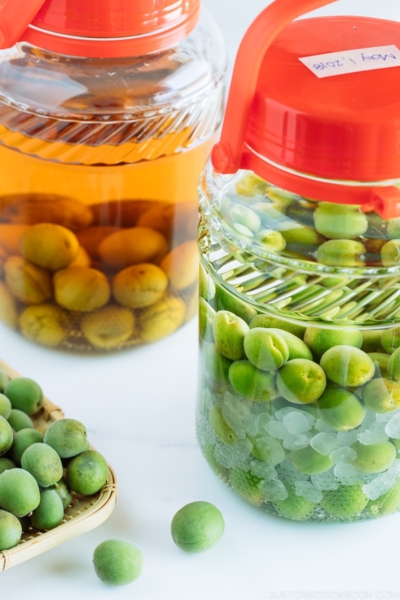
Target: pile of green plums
(336, 235)
(327, 368)
(39, 471)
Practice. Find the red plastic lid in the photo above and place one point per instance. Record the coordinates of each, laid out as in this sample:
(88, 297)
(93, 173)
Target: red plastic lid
(297, 130)
(98, 28)
(341, 127)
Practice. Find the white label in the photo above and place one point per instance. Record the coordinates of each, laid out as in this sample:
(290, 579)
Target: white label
(352, 61)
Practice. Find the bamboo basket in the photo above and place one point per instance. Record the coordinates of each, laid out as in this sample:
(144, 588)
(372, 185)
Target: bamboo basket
(83, 514)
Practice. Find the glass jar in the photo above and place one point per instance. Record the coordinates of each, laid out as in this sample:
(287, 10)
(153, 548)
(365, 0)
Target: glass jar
(299, 402)
(98, 195)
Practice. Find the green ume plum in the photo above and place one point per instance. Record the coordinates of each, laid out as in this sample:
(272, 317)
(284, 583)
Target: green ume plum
(229, 333)
(271, 241)
(221, 427)
(340, 409)
(303, 235)
(341, 253)
(10, 531)
(25, 394)
(297, 348)
(295, 507)
(67, 437)
(390, 254)
(19, 492)
(310, 462)
(381, 362)
(347, 366)
(242, 215)
(346, 502)
(301, 381)
(226, 301)
(243, 230)
(386, 504)
(280, 198)
(63, 492)
(206, 285)
(87, 473)
(19, 420)
(6, 464)
(217, 365)
(6, 436)
(271, 216)
(382, 395)
(25, 523)
(50, 512)
(251, 185)
(206, 320)
(266, 350)
(268, 450)
(197, 527)
(390, 339)
(252, 383)
(374, 458)
(5, 406)
(338, 221)
(272, 322)
(246, 485)
(22, 440)
(43, 463)
(117, 562)
(371, 341)
(321, 340)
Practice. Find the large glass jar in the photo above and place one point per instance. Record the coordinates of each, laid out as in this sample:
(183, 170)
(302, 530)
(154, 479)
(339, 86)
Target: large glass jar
(299, 403)
(100, 161)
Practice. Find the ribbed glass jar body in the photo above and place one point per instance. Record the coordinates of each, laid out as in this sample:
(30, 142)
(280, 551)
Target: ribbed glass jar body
(299, 401)
(98, 195)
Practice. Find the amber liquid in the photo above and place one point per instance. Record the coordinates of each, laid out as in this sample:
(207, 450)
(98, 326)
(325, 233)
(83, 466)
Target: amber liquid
(53, 303)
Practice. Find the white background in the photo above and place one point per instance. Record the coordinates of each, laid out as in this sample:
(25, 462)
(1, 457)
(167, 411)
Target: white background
(139, 408)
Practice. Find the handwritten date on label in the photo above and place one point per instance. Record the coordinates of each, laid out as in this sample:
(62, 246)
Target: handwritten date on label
(352, 61)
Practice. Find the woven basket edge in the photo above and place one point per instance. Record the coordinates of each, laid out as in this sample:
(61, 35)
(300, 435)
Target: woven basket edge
(92, 518)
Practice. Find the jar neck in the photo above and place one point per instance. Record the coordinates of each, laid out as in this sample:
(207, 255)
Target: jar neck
(382, 197)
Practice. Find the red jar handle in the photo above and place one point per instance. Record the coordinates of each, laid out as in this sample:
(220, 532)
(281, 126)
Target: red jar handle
(15, 16)
(226, 156)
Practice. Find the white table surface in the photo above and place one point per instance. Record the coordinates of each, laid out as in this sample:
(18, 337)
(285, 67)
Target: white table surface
(139, 409)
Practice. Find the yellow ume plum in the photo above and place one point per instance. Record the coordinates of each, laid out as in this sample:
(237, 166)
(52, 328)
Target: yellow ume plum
(27, 282)
(81, 289)
(49, 246)
(140, 286)
(132, 247)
